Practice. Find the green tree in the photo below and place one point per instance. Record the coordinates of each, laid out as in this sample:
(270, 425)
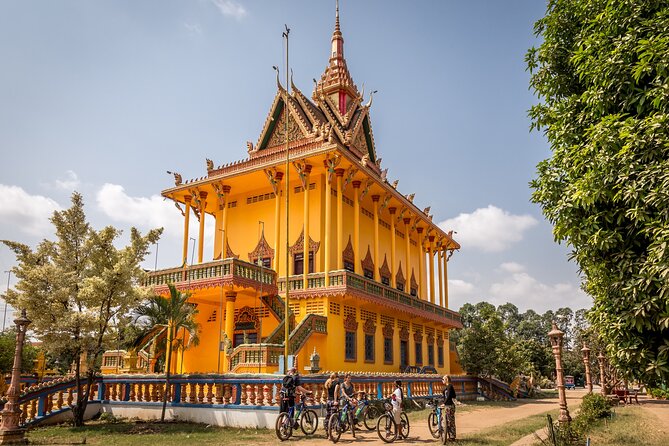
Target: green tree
(7, 349)
(602, 74)
(174, 314)
(73, 287)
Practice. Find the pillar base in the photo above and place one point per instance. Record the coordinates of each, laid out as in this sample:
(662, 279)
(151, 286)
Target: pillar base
(13, 436)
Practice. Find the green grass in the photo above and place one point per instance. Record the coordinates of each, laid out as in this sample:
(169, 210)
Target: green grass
(630, 426)
(506, 434)
(129, 433)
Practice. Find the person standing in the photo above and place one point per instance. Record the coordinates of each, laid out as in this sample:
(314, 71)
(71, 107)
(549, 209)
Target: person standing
(449, 407)
(332, 401)
(345, 391)
(396, 400)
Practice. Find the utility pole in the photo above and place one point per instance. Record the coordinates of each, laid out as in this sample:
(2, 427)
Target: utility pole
(4, 317)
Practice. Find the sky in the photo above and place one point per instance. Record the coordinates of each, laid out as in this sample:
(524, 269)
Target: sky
(104, 97)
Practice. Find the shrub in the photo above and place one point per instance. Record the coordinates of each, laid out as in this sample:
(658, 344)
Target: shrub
(659, 393)
(594, 406)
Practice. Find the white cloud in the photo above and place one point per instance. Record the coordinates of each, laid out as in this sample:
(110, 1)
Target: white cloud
(28, 213)
(230, 8)
(70, 183)
(520, 288)
(193, 28)
(142, 212)
(457, 287)
(490, 229)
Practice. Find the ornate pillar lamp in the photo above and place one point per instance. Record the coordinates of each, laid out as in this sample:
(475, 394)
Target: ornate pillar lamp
(602, 376)
(586, 361)
(10, 432)
(555, 336)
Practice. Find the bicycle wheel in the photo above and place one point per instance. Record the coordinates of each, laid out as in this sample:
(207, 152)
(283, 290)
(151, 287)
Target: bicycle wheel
(386, 428)
(433, 424)
(334, 427)
(308, 422)
(283, 426)
(370, 417)
(351, 423)
(404, 426)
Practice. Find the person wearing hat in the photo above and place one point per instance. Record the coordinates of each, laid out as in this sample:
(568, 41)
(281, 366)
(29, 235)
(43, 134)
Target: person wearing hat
(290, 386)
(449, 406)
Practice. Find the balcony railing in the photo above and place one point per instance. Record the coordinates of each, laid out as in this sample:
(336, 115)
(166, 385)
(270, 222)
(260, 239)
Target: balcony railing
(346, 280)
(233, 271)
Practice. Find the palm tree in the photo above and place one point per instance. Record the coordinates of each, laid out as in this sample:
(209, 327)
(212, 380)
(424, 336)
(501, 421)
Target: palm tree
(174, 313)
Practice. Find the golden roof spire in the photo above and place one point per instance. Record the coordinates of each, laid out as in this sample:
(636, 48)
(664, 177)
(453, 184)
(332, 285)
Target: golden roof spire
(336, 77)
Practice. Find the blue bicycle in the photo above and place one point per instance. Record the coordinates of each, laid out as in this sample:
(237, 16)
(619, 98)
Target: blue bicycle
(307, 420)
(340, 421)
(436, 421)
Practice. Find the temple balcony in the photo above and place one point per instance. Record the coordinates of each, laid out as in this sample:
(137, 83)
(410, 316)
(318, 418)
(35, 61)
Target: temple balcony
(349, 285)
(228, 273)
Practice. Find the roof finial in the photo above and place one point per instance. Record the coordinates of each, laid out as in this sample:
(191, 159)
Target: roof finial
(337, 17)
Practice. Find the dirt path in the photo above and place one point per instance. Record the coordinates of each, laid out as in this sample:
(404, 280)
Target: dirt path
(466, 422)
(659, 408)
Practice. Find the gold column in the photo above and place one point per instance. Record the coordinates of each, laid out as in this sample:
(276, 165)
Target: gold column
(377, 267)
(393, 283)
(224, 247)
(340, 219)
(421, 261)
(407, 254)
(203, 212)
(187, 200)
(305, 269)
(440, 253)
(277, 224)
(218, 230)
(445, 280)
(328, 221)
(356, 226)
(430, 252)
(230, 298)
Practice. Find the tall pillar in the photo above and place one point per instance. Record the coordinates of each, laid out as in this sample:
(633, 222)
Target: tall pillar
(377, 267)
(10, 432)
(445, 261)
(305, 269)
(430, 251)
(421, 261)
(230, 298)
(340, 219)
(356, 226)
(441, 278)
(602, 375)
(187, 200)
(407, 255)
(393, 271)
(224, 247)
(200, 243)
(277, 223)
(218, 230)
(328, 221)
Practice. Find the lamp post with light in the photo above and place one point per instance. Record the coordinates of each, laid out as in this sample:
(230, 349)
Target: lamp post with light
(586, 361)
(10, 432)
(555, 336)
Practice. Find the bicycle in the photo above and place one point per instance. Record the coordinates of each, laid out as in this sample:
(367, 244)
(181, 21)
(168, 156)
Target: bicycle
(437, 423)
(387, 429)
(366, 411)
(307, 419)
(340, 421)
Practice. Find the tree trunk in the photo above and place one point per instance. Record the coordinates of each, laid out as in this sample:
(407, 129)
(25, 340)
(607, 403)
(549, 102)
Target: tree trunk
(82, 399)
(168, 364)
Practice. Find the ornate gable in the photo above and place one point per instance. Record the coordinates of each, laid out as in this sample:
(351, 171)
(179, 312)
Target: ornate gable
(385, 270)
(367, 262)
(347, 254)
(262, 250)
(399, 277)
(228, 251)
(298, 247)
(414, 284)
(279, 132)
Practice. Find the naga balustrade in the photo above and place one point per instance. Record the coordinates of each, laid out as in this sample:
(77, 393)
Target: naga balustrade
(347, 282)
(231, 391)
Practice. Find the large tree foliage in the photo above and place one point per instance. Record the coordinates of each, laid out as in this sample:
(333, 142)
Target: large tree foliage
(7, 350)
(74, 287)
(602, 76)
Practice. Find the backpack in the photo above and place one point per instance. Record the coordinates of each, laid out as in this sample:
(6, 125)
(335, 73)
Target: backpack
(288, 384)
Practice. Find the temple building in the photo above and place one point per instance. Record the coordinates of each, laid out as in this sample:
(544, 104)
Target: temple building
(367, 270)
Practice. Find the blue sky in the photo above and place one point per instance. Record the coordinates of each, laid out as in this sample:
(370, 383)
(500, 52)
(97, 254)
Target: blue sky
(104, 96)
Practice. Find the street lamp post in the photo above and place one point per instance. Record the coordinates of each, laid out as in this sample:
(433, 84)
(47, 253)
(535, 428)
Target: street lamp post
(4, 317)
(555, 336)
(586, 361)
(10, 432)
(602, 376)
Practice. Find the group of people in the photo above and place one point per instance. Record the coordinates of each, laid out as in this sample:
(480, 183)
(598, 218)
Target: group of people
(342, 391)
